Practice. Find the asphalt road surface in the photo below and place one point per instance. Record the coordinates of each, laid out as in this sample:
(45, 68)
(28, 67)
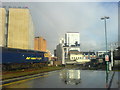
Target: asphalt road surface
(68, 79)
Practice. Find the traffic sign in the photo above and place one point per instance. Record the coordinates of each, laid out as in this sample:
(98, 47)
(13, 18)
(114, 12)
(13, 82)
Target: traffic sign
(106, 57)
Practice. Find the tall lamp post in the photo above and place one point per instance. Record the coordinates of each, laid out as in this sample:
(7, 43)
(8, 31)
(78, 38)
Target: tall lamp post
(107, 63)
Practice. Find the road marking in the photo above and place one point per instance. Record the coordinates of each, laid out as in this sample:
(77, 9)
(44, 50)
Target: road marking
(22, 80)
(22, 77)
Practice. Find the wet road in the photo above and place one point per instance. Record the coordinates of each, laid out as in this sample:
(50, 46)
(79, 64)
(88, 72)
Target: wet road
(67, 79)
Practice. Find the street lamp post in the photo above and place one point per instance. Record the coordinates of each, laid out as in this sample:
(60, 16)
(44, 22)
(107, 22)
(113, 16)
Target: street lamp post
(107, 63)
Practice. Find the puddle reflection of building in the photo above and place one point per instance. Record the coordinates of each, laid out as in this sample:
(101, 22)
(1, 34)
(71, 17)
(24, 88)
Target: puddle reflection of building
(71, 76)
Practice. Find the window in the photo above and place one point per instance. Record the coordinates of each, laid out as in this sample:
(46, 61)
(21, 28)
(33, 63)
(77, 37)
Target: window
(72, 58)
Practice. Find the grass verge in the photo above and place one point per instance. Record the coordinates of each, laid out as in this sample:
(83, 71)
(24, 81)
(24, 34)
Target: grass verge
(14, 74)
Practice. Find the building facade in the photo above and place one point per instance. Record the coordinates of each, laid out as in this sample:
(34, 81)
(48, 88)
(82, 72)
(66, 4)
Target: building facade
(20, 29)
(101, 54)
(2, 27)
(89, 55)
(36, 43)
(72, 39)
(77, 57)
(40, 44)
(70, 42)
(59, 51)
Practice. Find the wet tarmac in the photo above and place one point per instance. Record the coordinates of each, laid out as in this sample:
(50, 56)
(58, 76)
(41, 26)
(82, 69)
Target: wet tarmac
(68, 79)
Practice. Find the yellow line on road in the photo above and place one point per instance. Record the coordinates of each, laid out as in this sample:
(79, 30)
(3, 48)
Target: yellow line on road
(22, 80)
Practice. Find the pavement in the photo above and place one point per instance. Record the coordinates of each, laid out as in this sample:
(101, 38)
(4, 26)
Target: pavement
(88, 79)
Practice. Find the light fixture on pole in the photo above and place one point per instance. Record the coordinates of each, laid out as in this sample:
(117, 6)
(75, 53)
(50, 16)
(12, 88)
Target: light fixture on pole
(106, 55)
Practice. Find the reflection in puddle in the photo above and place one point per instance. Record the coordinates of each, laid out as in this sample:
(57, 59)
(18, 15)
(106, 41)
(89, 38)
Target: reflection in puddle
(70, 76)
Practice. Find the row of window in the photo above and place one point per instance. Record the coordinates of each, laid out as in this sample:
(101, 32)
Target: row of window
(73, 58)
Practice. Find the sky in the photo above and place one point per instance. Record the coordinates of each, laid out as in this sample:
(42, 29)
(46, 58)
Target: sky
(53, 19)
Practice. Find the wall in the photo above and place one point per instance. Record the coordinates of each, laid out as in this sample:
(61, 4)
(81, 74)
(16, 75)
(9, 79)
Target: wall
(40, 44)
(59, 51)
(76, 56)
(20, 29)
(36, 45)
(72, 37)
(2, 26)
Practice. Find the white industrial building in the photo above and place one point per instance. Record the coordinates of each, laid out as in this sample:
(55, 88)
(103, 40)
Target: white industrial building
(68, 50)
(72, 39)
(70, 42)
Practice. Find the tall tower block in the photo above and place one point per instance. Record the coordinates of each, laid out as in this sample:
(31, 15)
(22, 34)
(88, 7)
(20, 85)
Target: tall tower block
(2, 26)
(20, 29)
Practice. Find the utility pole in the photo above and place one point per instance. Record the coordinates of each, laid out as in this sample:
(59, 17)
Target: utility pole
(106, 55)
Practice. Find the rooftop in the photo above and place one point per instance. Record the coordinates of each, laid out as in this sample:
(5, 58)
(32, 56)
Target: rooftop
(72, 32)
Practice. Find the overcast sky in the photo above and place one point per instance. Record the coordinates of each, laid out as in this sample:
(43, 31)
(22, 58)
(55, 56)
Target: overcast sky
(53, 19)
